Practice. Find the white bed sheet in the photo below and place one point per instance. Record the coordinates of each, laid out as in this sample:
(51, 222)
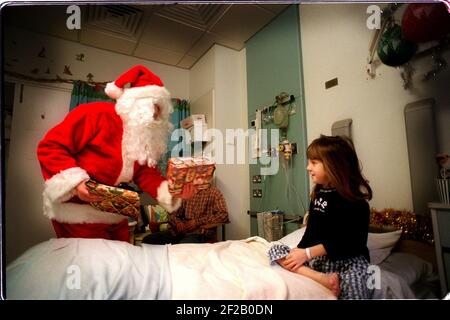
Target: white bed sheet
(89, 269)
(114, 270)
(235, 270)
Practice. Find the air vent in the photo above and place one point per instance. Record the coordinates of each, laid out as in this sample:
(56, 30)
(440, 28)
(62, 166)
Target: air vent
(123, 20)
(196, 15)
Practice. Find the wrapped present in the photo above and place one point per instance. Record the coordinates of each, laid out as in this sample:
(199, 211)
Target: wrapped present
(158, 218)
(182, 171)
(115, 200)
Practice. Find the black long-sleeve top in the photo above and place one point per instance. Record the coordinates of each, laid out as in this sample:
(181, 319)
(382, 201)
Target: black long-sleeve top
(340, 225)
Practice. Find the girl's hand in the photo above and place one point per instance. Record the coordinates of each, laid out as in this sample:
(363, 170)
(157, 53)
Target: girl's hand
(295, 259)
(82, 192)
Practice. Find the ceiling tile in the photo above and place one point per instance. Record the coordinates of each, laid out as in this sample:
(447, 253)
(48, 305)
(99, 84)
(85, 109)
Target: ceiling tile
(117, 20)
(50, 20)
(274, 8)
(203, 45)
(227, 42)
(146, 51)
(201, 16)
(187, 62)
(174, 34)
(167, 34)
(102, 40)
(241, 21)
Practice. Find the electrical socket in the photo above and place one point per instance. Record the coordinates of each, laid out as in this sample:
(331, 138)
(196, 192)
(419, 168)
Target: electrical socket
(257, 193)
(256, 178)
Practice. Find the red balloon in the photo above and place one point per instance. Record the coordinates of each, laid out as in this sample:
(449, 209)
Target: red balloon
(424, 22)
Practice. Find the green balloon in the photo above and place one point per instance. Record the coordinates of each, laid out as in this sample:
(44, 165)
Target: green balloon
(393, 49)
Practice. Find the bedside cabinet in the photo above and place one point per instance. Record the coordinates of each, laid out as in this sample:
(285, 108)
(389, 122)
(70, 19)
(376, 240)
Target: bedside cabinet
(440, 215)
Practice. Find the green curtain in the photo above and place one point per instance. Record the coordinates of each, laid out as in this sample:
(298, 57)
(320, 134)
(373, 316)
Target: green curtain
(181, 110)
(84, 93)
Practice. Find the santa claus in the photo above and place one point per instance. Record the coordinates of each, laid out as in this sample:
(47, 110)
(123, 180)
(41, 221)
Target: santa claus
(112, 144)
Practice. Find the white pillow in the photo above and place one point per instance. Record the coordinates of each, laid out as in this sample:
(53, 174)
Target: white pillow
(292, 239)
(380, 245)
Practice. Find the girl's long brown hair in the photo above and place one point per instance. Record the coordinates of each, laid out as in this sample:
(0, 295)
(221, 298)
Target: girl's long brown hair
(341, 165)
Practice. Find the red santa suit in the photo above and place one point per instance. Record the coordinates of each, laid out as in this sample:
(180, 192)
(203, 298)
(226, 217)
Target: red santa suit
(90, 143)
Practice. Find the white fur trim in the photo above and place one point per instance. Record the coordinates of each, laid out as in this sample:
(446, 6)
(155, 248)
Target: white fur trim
(113, 91)
(165, 199)
(146, 92)
(69, 212)
(59, 187)
(127, 171)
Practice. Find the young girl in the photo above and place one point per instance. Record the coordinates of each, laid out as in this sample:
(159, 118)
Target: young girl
(333, 250)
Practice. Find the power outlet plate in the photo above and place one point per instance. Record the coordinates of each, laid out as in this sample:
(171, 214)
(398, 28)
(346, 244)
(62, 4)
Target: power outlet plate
(256, 179)
(257, 193)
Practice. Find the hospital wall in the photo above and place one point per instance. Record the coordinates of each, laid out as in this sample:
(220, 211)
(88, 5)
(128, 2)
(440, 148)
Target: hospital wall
(335, 43)
(220, 75)
(273, 66)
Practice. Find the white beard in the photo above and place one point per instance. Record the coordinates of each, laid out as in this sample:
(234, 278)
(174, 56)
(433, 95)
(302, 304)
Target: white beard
(144, 138)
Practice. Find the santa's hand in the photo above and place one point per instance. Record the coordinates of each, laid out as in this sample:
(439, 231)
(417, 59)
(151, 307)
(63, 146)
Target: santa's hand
(82, 192)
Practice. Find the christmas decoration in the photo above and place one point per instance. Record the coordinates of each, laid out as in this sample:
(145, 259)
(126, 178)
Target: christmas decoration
(424, 22)
(393, 49)
(406, 75)
(413, 226)
(90, 77)
(80, 57)
(67, 70)
(439, 65)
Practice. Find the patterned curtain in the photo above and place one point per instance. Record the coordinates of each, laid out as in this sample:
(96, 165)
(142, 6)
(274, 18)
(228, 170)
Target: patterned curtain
(84, 93)
(181, 110)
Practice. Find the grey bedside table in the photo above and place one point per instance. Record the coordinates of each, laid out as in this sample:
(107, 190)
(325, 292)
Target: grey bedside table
(440, 215)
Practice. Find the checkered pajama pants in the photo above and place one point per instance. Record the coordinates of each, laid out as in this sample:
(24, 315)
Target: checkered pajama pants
(353, 272)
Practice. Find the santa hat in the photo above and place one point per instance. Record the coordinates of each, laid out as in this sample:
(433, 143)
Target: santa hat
(143, 83)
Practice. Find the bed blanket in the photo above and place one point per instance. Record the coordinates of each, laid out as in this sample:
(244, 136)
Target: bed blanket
(236, 269)
(89, 269)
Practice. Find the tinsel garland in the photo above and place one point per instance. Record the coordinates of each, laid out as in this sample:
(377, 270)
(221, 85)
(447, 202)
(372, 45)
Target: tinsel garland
(413, 226)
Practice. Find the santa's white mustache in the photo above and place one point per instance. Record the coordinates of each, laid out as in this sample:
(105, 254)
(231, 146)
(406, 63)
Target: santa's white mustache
(144, 115)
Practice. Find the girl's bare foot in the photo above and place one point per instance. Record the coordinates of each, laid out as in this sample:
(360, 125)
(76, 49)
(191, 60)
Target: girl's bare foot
(331, 281)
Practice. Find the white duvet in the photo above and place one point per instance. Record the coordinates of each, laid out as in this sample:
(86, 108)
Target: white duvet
(104, 269)
(236, 270)
(89, 269)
